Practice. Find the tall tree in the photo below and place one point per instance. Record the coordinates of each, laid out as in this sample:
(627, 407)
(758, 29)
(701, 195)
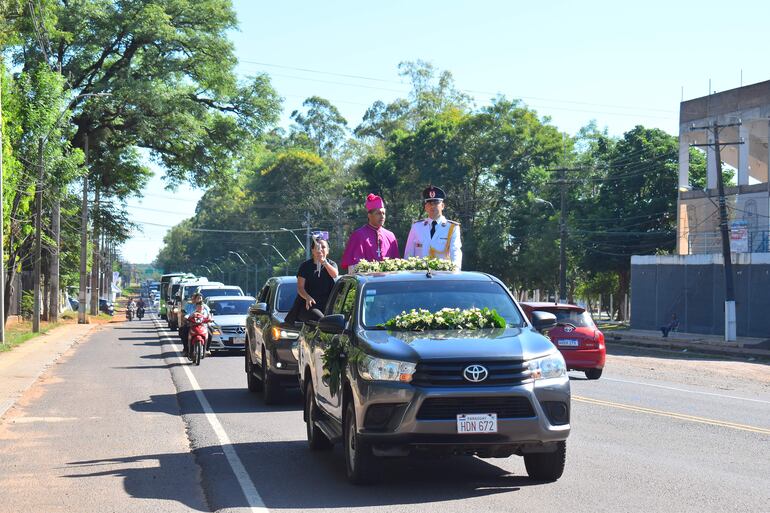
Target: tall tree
(322, 123)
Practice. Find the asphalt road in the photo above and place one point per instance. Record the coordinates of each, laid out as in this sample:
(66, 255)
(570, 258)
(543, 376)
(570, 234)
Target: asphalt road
(658, 432)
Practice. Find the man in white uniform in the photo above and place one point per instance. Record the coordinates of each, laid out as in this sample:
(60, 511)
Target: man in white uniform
(435, 236)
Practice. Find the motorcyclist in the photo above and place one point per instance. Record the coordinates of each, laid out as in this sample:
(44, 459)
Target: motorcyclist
(200, 314)
(140, 306)
(184, 331)
(130, 308)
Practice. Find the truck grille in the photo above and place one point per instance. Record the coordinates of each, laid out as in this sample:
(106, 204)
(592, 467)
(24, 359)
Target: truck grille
(450, 374)
(448, 408)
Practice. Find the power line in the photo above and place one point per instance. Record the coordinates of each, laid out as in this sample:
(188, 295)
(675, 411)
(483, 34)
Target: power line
(474, 91)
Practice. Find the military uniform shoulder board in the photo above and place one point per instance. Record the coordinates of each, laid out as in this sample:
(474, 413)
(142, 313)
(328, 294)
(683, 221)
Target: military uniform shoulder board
(453, 222)
(424, 223)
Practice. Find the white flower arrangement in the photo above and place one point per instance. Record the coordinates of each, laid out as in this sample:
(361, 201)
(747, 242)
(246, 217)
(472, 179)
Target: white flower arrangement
(446, 319)
(404, 264)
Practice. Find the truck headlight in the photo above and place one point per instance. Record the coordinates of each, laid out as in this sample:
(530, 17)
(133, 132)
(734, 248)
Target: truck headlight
(552, 366)
(279, 334)
(379, 369)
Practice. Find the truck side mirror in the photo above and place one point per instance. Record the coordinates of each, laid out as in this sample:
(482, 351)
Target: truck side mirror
(543, 321)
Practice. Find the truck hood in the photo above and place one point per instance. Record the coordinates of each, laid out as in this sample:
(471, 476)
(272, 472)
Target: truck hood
(491, 344)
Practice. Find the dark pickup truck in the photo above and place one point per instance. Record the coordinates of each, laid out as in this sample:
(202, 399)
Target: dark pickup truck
(487, 392)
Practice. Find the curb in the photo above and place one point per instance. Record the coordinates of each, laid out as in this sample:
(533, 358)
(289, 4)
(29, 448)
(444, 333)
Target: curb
(679, 345)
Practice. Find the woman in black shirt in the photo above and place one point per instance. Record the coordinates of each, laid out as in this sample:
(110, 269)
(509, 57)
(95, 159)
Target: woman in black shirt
(315, 280)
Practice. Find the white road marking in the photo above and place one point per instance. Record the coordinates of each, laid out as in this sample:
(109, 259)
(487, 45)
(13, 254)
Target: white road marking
(256, 504)
(685, 390)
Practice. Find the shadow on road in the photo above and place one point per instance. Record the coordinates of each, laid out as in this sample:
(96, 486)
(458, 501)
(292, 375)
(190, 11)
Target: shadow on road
(288, 476)
(145, 338)
(165, 477)
(671, 354)
(222, 400)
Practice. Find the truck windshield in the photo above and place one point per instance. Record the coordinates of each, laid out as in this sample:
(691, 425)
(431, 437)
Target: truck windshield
(383, 301)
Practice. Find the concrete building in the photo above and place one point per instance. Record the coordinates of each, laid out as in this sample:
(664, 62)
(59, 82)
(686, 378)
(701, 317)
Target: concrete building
(748, 201)
(691, 284)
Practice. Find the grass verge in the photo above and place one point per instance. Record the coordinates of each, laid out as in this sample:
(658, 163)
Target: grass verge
(19, 333)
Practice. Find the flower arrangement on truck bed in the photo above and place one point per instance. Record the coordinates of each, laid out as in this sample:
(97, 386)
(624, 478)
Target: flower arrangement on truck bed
(404, 264)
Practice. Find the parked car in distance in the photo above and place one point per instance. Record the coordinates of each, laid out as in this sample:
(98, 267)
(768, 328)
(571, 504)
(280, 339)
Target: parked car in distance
(106, 306)
(269, 361)
(492, 393)
(576, 335)
(229, 326)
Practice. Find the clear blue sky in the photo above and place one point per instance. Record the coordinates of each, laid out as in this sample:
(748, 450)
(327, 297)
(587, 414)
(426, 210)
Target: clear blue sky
(618, 63)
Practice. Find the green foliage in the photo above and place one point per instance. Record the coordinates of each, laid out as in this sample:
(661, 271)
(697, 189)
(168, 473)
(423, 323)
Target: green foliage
(27, 304)
(339, 353)
(446, 319)
(322, 124)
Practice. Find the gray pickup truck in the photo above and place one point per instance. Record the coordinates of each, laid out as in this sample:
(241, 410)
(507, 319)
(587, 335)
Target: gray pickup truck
(487, 392)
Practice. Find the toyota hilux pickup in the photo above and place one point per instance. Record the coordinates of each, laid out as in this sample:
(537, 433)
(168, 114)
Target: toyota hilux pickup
(492, 392)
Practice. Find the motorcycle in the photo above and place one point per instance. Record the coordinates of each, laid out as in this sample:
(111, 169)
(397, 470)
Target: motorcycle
(130, 313)
(140, 313)
(196, 345)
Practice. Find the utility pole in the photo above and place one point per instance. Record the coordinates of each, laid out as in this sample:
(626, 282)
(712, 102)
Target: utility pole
(563, 239)
(95, 255)
(53, 308)
(82, 317)
(730, 319)
(38, 235)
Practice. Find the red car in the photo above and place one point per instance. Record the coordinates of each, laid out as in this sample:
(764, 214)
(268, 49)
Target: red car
(577, 337)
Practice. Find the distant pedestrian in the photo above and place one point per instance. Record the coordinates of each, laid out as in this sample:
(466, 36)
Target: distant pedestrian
(671, 326)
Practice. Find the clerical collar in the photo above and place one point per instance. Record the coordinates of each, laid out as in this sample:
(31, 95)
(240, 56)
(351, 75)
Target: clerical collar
(373, 228)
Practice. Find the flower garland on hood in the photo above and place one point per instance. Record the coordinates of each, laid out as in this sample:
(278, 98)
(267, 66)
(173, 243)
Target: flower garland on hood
(446, 319)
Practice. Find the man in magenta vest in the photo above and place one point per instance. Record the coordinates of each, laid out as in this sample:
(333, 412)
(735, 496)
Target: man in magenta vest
(371, 241)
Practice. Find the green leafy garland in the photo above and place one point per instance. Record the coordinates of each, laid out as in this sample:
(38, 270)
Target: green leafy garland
(446, 319)
(336, 356)
(404, 264)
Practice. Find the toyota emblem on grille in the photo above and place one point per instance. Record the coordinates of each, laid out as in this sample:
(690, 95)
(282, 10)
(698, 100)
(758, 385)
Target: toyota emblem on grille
(240, 330)
(475, 373)
(568, 329)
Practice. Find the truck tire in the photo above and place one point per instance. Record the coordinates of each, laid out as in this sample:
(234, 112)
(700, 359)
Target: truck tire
(360, 461)
(271, 388)
(316, 439)
(547, 466)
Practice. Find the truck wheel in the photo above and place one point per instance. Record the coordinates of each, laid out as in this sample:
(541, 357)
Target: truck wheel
(594, 373)
(254, 384)
(359, 459)
(316, 439)
(271, 389)
(546, 466)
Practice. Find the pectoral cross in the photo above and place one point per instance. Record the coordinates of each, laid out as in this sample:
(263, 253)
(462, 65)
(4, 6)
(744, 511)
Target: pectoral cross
(379, 247)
